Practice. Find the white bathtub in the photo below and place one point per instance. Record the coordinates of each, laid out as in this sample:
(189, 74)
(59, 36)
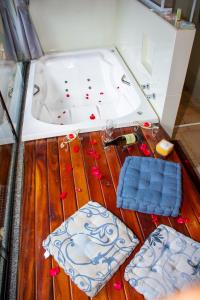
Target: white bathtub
(81, 90)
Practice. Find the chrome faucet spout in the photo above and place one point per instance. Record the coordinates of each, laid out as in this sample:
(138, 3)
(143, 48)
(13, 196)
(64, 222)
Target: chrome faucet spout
(36, 89)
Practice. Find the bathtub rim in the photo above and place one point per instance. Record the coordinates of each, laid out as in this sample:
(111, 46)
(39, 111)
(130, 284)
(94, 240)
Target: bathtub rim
(44, 130)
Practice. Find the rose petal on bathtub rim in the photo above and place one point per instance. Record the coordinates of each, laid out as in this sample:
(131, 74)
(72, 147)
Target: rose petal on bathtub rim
(71, 135)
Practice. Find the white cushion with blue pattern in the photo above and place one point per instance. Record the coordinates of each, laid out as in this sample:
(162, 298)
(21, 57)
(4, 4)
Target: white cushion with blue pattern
(90, 246)
(168, 261)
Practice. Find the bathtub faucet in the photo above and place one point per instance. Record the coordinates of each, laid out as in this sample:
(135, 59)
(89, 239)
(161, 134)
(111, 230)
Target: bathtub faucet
(125, 81)
(36, 89)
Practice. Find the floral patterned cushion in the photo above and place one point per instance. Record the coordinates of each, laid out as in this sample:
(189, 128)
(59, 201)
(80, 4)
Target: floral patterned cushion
(166, 262)
(90, 246)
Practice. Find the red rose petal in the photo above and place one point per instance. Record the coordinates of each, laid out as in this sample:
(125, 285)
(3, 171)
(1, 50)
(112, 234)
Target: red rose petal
(147, 124)
(99, 176)
(97, 156)
(71, 135)
(154, 219)
(92, 117)
(91, 152)
(147, 152)
(54, 271)
(96, 172)
(130, 149)
(94, 168)
(93, 142)
(143, 146)
(182, 220)
(117, 285)
(63, 195)
(68, 168)
(76, 149)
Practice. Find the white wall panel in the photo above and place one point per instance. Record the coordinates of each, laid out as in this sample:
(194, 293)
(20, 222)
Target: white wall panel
(137, 22)
(64, 25)
(169, 51)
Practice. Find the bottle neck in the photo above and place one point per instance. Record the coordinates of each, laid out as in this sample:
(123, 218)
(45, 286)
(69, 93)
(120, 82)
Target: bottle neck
(111, 142)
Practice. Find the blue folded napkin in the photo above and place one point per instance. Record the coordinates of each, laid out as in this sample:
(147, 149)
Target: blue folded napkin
(150, 185)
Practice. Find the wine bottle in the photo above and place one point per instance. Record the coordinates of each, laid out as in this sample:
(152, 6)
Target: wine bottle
(122, 140)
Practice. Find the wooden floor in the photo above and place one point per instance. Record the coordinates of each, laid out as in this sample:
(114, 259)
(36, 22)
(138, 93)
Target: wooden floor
(47, 173)
(5, 160)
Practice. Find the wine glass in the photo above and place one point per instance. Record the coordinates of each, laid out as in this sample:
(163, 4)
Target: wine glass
(109, 130)
(136, 127)
(155, 131)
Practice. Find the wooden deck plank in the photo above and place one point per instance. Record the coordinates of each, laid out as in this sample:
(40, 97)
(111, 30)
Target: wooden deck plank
(5, 159)
(94, 188)
(67, 181)
(44, 282)
(79, 173)
(129, 217)
(94, 184)
(55, 212)
(69, 206)
(80, 180)
(47, 174)
(110, 200)
(26, 268)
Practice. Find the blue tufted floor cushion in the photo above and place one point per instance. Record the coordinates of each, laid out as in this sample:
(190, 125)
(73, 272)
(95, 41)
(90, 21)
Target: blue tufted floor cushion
(150, 185)
(168, 261)
(90, 246)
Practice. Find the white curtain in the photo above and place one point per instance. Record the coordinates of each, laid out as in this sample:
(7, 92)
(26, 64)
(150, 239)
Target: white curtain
(22, 42)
